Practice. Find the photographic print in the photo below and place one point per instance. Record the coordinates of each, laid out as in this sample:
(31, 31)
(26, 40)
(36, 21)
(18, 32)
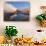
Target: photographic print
(17, 11)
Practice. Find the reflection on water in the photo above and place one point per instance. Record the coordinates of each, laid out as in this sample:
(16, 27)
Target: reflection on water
(20, 17)
(16, 17)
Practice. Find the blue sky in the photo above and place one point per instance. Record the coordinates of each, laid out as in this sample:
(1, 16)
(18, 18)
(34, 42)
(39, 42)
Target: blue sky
(20, 5)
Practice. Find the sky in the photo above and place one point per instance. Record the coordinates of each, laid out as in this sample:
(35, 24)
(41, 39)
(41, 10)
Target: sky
(20, 5)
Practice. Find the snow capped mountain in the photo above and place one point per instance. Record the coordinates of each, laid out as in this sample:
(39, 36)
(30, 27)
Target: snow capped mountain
(9, 8)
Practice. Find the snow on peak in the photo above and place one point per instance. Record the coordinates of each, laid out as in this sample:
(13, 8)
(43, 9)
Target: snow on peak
(9, 8)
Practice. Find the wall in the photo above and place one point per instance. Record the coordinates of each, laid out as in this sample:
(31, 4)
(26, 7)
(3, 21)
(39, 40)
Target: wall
(25, 28)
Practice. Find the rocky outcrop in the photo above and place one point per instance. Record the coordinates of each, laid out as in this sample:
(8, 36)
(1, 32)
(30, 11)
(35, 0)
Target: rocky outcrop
(26, 11)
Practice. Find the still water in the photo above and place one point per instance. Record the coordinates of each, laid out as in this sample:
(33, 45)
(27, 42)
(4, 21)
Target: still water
(19, 17)
(15, 17)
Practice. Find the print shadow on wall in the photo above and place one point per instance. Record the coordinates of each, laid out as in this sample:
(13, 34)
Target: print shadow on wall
(16, 11)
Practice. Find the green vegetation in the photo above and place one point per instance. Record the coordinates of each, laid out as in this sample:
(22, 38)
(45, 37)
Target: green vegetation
(11, 31)
(41, 17)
